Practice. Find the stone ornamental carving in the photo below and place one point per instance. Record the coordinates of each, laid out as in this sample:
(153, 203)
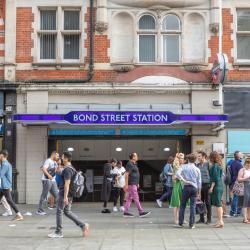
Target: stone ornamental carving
(101, 27)
(167, 3)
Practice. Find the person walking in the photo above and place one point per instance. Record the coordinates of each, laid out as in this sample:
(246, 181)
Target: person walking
(65, 200)
(191, 177)
(7, 207)
(216, 189)
(203, 165)
(6, 183)
(244, 176)
(108, 177)
(119, 184)
(49, 185)
(132, 179)
(177, 187)
(167, 175)
(236, 166)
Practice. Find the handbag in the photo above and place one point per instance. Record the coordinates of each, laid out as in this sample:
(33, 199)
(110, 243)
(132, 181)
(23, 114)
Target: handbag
(238, 188)
(200, 207)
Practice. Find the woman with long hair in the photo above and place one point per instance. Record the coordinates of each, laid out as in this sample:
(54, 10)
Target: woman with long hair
(244, 176)
(216, 189)
(177, 187)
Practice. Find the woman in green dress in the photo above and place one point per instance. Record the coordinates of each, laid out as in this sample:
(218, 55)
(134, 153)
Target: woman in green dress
(216, 190)
(177, 187)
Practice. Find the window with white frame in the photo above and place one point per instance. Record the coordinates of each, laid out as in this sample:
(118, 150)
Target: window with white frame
(171, 34)
(147, 38)
(59, 35)
(243, 35)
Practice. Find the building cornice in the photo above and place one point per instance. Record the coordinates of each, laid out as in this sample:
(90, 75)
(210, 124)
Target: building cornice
(112, 89)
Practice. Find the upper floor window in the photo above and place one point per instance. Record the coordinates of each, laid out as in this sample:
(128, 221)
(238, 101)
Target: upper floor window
(159, 43)
(171, 32)
(59, 35)
(147, 39)
(243, 35)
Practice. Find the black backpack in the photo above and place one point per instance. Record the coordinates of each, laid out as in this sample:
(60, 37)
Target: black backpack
(228, 176)
(77, 184)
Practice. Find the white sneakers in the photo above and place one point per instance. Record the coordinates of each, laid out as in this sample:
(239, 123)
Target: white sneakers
(115, 209)
(159, 203)
(7, 213)
(40, 213)
(55, 235)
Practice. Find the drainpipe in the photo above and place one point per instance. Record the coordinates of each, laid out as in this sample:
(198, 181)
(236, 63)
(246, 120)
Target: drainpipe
(91, 57)
(220, 49)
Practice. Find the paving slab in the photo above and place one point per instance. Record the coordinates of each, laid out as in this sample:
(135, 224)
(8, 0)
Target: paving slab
(113, 232)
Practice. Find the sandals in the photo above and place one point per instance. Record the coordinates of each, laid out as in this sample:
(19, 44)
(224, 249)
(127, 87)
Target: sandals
(246, 221)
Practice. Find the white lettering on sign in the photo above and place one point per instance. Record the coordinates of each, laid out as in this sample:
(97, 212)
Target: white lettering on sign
(85, 118)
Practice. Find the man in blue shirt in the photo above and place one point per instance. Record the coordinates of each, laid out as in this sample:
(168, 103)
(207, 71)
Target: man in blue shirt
(6, 183)
(191, 177)
(167, 174)
(235, 167)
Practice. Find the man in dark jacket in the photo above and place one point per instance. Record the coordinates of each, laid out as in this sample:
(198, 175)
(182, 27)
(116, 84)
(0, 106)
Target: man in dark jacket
(235, 167)
(107, 183)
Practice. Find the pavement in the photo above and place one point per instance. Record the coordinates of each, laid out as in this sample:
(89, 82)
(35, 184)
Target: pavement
(113, 232)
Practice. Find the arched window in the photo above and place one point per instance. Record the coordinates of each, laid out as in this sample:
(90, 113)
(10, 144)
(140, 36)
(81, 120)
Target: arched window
(147, 38)
(171, 33)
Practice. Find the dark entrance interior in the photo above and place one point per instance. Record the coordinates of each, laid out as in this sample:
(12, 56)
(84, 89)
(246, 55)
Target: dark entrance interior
(90, 154)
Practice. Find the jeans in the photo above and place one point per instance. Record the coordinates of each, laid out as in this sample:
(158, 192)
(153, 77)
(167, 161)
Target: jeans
(133, 196)
(61, 208)
(118, 192)
(48, 186)
(189, 192)
(167, 194)
(205, 197)
(7, 194)
(234, 206)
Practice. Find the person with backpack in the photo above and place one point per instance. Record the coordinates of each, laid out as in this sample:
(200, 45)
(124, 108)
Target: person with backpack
(72, 186)
(167, 181)
(203, 165)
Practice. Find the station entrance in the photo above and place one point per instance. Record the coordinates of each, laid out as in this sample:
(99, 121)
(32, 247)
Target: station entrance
(91, 153)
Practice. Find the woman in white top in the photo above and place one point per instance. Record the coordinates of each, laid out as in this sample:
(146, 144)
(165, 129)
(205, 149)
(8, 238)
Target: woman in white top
(119, 184)
(244, 176)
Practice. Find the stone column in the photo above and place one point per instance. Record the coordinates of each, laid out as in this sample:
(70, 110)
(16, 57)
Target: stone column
(102, 16)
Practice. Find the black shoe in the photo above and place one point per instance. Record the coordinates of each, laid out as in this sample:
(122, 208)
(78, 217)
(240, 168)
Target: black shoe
(144, 214)
(106, 211)
(128, 215)
(200, 221)
(208, 222)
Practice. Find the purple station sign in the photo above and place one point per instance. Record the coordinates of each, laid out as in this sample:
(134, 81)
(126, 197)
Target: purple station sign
(118, 118)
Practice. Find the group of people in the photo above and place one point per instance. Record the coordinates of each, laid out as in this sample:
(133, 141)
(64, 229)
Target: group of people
(196, 179)
(125, 182)
(188, 180)
(58, 173)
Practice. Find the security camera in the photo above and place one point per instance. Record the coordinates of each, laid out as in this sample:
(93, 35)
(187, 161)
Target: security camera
(219, 128)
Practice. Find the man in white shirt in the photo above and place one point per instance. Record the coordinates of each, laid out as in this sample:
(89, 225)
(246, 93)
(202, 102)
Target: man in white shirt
(48, 181)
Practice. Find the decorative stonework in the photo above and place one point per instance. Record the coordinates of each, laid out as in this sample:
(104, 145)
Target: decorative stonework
(101, 27)
(194, 68)
(214, 28)
(123, 67)
(164, 3)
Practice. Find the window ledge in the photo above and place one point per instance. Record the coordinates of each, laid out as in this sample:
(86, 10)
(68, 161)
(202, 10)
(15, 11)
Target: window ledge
(58, 65)
(241, 65)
